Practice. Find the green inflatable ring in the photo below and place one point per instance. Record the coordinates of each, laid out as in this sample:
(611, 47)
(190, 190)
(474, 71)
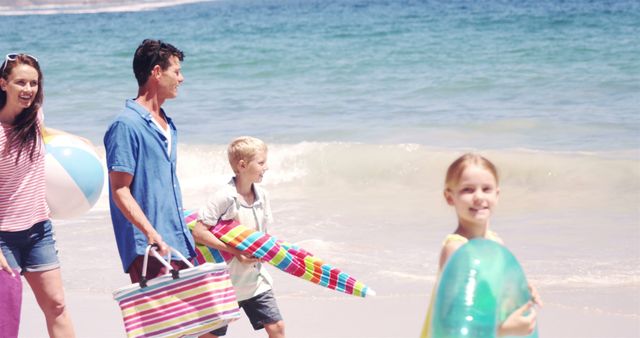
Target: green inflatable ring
(480, 286)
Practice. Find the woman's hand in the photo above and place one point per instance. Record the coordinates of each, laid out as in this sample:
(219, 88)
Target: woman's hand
(4, 265)
(521, 322)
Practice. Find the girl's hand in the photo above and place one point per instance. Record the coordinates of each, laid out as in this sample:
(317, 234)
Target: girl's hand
(4, 265)
(519, 324)
(535, 296)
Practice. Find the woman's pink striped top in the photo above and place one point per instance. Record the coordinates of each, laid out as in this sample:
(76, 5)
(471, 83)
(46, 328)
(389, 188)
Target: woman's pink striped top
(22, 186)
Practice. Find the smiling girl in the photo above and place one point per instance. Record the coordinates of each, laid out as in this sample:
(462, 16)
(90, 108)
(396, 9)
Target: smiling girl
(471, 188)
(26, 235)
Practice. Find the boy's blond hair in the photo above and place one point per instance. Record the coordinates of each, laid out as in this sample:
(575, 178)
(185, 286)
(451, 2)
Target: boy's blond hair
(244, 148)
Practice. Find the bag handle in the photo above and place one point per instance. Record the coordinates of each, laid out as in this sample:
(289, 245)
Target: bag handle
(151, 248)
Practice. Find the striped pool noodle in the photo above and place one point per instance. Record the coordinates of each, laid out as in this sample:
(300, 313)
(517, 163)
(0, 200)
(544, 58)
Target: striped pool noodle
(288, 258)
(204, 253)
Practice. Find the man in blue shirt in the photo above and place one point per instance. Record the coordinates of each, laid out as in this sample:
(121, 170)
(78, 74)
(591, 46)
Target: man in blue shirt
(141, 145)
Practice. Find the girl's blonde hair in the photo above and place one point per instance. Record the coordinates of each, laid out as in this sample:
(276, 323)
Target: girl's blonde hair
(463, 162)
(244, 148)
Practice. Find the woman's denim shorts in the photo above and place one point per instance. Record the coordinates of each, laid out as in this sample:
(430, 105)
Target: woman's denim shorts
(31, 250)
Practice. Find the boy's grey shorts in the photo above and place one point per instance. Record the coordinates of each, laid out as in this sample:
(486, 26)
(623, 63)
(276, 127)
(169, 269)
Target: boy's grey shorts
(261, 309)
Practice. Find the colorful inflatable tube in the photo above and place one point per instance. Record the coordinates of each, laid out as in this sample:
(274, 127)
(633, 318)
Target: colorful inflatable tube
(480, 286)
(285, 256)
(204, 253)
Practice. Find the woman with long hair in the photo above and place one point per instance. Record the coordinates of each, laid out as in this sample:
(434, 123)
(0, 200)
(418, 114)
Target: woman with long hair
(26, 235)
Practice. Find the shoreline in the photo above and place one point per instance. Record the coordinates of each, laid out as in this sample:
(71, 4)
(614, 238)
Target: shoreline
(85, 7)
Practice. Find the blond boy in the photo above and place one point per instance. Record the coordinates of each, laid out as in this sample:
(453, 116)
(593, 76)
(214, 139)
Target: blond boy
(241, 199)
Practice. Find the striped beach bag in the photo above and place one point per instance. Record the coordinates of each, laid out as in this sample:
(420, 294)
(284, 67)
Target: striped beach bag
(184, 303)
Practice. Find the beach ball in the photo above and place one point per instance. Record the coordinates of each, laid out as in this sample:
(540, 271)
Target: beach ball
(74, 176)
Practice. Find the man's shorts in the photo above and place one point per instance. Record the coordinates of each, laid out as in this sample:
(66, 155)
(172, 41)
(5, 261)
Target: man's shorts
(261, 309)
(31, 250)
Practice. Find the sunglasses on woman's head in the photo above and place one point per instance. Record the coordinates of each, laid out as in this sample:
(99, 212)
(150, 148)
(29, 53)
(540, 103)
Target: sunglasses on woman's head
(13, 57)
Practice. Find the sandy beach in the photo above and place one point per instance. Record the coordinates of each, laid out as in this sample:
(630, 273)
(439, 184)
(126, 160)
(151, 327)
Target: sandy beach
(364, 104)
(96, 315)
(311, 311)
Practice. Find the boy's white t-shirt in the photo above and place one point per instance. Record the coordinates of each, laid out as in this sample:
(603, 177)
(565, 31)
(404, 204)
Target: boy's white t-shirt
(249, 280)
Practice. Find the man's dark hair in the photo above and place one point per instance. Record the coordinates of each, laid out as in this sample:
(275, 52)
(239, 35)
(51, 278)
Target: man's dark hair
(151, 53)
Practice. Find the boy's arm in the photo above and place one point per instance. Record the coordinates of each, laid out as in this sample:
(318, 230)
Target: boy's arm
(202, 235)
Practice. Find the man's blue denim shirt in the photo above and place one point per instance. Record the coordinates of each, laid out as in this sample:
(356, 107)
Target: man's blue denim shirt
(136, 146)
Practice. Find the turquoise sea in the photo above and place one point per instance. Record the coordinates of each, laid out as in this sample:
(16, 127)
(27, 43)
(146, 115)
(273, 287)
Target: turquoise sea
(364, 103)
(489, 74)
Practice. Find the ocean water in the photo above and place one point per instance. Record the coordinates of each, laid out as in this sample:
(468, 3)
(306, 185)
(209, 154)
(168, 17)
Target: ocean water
(488, 74)
(364, 104)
